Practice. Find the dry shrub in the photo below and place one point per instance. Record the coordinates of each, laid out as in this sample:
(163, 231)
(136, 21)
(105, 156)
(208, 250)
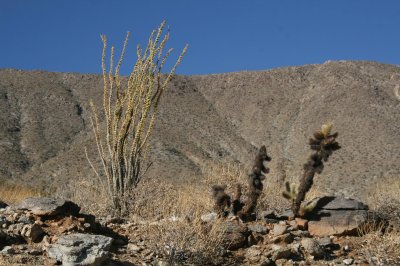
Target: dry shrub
(158, 199)
(382, 232)
(13, 192)
(190, 241)
(172, 214)
(91, 197)
(383, 199)
(382, 249)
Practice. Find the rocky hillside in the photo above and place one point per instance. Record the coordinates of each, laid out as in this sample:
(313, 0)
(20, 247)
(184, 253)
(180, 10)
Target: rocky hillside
(44, 123)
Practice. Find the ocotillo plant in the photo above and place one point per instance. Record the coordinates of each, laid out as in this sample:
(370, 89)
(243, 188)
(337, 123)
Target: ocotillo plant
(130, 113)
(323, 143)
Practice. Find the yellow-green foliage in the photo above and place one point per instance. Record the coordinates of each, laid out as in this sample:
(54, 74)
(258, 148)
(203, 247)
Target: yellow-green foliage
(129, 112)
(291, 191)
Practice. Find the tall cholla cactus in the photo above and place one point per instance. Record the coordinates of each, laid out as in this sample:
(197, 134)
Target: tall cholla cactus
(323, 143)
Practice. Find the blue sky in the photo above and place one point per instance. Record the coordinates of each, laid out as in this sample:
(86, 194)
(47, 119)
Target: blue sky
(223, 36)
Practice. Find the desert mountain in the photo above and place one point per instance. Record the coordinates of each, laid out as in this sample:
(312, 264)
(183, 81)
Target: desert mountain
(45, 125)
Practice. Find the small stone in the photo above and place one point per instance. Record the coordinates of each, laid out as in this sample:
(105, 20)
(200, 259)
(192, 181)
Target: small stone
(286, 215)
(346, 248)
(293, 226)
(295, 248)
(302, 223)
(46, 241)
(285, 238)
(34, 233)
(8, 250)
(279, 252)
(348, 261)
(253, 254)
(279, 229)
(267, 262)
(281, 262)
(134, 248)
(270, 214)
(258, 228)
(209, 217)
(312, 247)
(300, 233)
(35, 252)
(325, 241)
(25, 220)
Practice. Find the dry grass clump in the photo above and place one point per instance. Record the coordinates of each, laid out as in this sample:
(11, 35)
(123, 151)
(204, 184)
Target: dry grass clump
(190, 241)
(384, 201)
(11, 192)
(172, 214)
(382, 249)
(382, 233)
(91, 197)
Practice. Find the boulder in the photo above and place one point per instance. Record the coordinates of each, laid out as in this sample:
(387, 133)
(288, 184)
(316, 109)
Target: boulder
(336, 216)
(49, 206)
(80, 249)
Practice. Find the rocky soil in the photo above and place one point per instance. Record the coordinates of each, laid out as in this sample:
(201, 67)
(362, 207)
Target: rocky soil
(47, 231)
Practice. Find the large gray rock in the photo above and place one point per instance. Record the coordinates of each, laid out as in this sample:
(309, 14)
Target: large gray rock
(80, 249)
(336, 216)
(49, 206)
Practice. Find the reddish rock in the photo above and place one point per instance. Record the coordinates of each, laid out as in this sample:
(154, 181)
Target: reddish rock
(302, 223)
(336, 216)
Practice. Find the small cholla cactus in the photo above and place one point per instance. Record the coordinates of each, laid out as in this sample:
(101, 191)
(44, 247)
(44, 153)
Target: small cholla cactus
(291, 191)
(245, 210)
(323, 143)
(306, 207)
(222, 201)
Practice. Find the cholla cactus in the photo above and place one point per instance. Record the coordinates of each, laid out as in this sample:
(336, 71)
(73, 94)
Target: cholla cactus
(255, 184)
(291, 191)
(306, 207)
(245, 209)
(323, 143)
(222, 201)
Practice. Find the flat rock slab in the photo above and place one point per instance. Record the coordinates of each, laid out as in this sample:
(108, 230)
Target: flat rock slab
(339, 203)
(336, 216)
(49, 206)
(80, 249)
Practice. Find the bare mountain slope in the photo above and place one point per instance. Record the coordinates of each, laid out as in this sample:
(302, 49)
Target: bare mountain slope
(44, 122)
